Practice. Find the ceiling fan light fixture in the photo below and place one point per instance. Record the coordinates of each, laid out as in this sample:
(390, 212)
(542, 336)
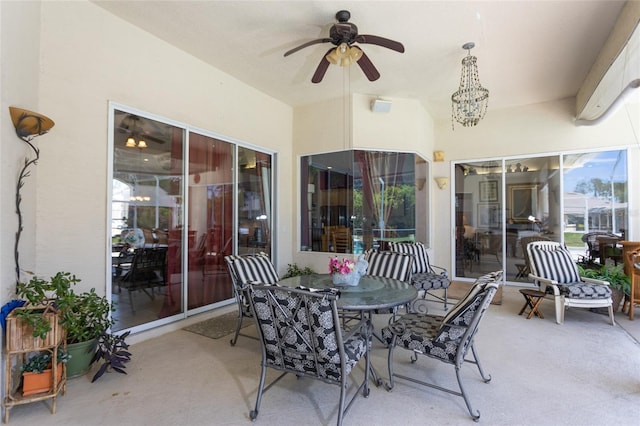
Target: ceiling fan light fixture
(343, 34)
(131, 142)
(355, 54)
(142, 144)
(469, 103)
(333, 57)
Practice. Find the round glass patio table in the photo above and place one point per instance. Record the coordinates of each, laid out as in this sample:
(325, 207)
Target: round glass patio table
(371, 292)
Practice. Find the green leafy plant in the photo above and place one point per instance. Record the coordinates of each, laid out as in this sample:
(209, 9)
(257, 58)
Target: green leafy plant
(34, 318)
(39, 293)
(83, 315)
(114, 353)
(613, 274)
(293, 270)
(42, 361)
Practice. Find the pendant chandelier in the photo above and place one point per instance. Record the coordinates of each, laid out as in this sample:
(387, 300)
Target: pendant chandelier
(469, 102)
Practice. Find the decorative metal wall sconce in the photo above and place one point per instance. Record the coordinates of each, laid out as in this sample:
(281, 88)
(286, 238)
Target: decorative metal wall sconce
(442, 182)
(28, 125)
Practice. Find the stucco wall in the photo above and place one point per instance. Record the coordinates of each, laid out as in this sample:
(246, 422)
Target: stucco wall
(19, 71)
(87, 58)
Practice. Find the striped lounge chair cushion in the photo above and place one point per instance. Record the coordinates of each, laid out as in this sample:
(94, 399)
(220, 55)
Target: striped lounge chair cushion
(418, 250)
(389, 264)
(253, 268)
(554, 263)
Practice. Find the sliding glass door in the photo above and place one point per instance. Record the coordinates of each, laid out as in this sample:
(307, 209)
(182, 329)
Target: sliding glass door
(502, 204)
(181, 201)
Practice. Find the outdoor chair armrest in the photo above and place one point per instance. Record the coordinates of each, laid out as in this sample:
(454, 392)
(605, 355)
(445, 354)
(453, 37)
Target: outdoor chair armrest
(545, 282)
(443, 271)
(594, 281)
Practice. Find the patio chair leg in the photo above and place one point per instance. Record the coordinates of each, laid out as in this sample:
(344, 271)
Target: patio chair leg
(238, 327)
(343, 390)
(391, 384)
(446, 291)
(253, 414)
(486, 378)
(559, 310)
(133, 309)
(475, 416)
(613, 321)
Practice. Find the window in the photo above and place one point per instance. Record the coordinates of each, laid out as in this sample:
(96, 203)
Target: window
(355, 200)
(555, 197)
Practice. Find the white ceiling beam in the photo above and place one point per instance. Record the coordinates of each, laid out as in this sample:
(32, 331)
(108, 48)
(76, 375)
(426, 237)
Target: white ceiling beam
(611, 78)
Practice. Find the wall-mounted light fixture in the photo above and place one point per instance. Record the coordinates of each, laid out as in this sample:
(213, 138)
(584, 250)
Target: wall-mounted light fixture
(28, 125)
(438, 156)
(442, 182)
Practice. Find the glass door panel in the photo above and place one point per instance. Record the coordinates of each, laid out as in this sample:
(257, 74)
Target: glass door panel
(532, 209)
(255, 214)
(147, 220)
(479, 207)
(595, 201)
(211, 203)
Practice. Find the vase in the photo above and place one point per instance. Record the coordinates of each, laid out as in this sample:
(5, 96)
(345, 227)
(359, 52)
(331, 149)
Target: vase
(350, 279)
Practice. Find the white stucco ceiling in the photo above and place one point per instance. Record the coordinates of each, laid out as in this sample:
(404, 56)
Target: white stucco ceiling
(528, 51)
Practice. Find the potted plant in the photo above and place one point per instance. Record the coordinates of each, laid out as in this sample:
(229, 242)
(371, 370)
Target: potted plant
(83, 316)
(293, 270)
(114, 353)
(619, 282)
(37, 372)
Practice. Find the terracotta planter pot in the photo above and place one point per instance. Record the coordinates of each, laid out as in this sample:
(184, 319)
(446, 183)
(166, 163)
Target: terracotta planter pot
(33, 383)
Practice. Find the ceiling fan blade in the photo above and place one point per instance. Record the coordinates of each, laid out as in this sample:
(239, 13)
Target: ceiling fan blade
(322, 68)
(368, 68)
(307, 44)
(380, 41)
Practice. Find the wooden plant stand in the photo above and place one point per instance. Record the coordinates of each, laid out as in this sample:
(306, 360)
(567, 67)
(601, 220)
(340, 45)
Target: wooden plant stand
(19, 343)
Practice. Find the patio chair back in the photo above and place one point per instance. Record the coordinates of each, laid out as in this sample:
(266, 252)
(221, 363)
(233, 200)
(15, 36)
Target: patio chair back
(300, 333)
(244, 270)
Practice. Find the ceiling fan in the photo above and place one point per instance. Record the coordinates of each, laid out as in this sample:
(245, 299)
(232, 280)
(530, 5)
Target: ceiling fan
(344, 34)
(134, 126)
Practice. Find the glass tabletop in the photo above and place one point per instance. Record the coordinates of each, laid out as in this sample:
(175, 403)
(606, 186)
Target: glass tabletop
(370, 293)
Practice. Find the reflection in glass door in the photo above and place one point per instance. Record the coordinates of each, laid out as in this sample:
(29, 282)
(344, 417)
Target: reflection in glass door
(168, 245)
(479, 206)
(255, 218)
(147, 220)
(210, 220)
(495, 223)
(595, 203)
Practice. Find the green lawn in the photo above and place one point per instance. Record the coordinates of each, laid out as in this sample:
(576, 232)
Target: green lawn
(573, 239)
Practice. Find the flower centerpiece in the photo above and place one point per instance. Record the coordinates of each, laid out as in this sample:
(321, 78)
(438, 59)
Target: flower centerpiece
(342, 272)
